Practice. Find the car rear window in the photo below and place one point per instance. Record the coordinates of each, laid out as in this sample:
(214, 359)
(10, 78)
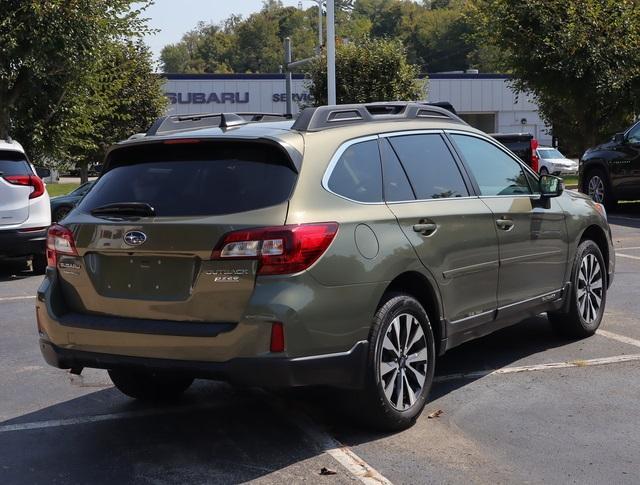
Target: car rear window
(196, 180)
(13, 163)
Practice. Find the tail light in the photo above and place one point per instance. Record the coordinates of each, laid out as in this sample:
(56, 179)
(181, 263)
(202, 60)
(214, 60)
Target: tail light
(535, 161)
(59, 241)
(279, 250)
(30, 181)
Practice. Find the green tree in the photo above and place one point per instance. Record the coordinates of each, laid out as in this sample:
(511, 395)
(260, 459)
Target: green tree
(124, 98)
(580, 58)
(48, 54)
(368, 70)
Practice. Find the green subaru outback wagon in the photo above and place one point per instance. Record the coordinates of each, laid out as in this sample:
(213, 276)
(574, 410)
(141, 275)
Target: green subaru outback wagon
(347, 248)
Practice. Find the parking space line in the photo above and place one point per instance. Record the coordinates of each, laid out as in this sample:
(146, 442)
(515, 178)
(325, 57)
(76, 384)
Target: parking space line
(620, 338)
(539, 367)
(13, 298)
(627, 249)
(627, 256)
(323, 441)
(355, 465)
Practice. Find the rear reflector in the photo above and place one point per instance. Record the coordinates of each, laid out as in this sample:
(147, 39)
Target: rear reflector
(277, 337)
(280, 249)
(30, 181)
(59, 241)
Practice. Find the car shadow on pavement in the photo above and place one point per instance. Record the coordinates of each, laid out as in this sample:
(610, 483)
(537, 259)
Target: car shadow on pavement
(214, 434)
(14, 270)
(626, 214)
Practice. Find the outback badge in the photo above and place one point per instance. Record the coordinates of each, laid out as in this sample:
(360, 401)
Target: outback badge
(135, 238)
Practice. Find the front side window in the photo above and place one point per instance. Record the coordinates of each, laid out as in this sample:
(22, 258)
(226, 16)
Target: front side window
(495, 171)
(634, 135)
(357, 174)
(431, 168)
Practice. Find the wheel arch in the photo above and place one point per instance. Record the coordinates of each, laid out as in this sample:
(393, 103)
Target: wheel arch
(423, 289)
(596, 234)
(590, 166)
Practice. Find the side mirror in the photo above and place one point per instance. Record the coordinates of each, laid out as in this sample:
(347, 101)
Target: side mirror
(551, 186)
(618, 138)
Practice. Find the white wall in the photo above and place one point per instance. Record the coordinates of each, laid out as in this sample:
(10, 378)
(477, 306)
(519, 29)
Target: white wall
(467, 93)
(475, 94)
(261, 95)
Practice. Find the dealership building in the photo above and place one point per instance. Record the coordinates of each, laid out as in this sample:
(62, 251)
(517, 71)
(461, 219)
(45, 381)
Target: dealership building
(485, 101)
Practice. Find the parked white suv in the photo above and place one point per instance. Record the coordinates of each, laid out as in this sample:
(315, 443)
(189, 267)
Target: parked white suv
(25, 214)
(551, 161)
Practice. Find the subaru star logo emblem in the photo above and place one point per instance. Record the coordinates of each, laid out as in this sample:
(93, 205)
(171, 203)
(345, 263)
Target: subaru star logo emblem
(135, 238)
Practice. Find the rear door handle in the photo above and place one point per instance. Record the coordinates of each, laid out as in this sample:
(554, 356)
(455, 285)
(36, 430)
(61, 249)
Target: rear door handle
(425, 228)
(505, 224)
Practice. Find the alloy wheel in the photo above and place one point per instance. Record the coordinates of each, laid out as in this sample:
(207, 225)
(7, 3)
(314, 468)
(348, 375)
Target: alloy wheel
(590, 288)
(403, 362)
(596, 189)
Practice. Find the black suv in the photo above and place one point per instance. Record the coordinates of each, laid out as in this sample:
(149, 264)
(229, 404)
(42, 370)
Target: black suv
(611, 171)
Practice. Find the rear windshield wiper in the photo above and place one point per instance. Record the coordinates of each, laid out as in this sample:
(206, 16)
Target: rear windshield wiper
(125, 209)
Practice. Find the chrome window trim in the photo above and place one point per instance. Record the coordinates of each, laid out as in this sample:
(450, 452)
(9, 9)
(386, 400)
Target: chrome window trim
(431, 131)
(432, 200)
(334, 161)
(507, 152)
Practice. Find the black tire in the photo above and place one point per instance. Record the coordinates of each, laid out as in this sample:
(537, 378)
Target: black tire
(375, 409)
(575, 324)
(60, 213)
(544, 171)
(148, 385)
(607, 197)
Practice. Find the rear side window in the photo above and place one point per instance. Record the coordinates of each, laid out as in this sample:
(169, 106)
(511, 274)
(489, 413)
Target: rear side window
(196, 180)
(431, 168)
(357, 174)
(495, 171)
(13, 163)
(396, 184)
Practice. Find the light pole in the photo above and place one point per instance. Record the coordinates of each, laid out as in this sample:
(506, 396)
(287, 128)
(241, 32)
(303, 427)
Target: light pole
(331, 52)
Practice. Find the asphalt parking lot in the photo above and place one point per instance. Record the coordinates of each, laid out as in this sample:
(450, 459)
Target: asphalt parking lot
(521, 405)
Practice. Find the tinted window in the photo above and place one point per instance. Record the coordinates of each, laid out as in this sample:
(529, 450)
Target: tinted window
(634, 134)
(495, 171)
(357, 174)
(43, 172)
(550, 154)
(396, 184)
(210, 179)
(13, 163)
(432, 171)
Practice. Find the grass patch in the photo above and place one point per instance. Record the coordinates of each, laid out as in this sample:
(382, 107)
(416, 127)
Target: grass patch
(60, 189)
(571, 180)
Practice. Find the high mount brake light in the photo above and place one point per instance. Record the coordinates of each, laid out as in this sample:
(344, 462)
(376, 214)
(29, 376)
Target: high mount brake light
(30, 181)
(279, 249)
(59, 241)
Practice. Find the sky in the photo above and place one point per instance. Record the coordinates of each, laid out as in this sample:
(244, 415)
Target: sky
(176, 17)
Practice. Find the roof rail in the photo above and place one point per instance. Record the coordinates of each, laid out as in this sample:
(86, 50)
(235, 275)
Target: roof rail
(177, 123)
(324, 117)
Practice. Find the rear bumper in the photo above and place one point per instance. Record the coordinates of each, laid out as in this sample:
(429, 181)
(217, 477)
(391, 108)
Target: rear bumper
(15, 243)
(345, 369)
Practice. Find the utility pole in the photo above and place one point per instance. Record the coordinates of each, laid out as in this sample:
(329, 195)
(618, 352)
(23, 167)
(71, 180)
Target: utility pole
(320, 40)
(331, 52)
(288, 77)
